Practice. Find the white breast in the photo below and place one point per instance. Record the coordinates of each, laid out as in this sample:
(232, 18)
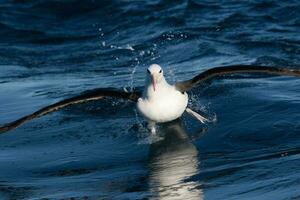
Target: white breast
(163, 105)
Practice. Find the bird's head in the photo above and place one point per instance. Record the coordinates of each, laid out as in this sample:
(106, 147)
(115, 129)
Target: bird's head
(155, 75)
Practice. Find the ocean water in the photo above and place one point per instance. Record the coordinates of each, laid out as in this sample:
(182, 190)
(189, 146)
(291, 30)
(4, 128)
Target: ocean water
(54, 49)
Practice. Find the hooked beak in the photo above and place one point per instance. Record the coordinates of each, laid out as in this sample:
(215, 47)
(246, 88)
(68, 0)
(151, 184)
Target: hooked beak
(153, 82)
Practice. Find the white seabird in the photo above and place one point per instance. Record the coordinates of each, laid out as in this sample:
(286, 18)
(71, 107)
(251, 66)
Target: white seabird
(159, 102)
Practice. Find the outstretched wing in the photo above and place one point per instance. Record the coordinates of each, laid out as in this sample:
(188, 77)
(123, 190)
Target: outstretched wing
(233, 69)
(91, 95)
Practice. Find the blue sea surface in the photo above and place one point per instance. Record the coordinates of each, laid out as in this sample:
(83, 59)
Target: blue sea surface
(55, 49)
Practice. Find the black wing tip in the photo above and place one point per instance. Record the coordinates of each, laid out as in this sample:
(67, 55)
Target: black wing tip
(12, 125)
(4, 129)
(7, 127)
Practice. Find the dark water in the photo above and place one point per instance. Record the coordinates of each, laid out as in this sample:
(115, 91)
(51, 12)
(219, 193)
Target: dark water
(50, 50)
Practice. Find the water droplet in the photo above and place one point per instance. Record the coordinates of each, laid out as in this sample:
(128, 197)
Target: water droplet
(142, 53)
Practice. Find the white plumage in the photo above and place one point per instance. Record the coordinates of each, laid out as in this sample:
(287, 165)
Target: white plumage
(163, 105)
(161, 102)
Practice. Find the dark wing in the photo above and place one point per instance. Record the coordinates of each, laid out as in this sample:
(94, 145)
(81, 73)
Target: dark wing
(234, 69)
(92, 95)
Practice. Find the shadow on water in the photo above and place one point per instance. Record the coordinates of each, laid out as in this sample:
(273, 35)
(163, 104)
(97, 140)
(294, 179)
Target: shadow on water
(171, 161)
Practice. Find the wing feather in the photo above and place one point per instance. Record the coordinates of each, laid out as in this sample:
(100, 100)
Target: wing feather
(92, 95)
(234, 69)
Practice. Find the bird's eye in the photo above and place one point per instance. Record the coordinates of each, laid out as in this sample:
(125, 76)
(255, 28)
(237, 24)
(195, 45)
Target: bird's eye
(160, 71)
(148, 71)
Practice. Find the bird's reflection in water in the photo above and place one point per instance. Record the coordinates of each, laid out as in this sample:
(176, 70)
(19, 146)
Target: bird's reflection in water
(172, 161)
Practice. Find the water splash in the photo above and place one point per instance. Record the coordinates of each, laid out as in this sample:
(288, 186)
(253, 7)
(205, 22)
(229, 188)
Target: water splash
(196, 104)
(131, 84)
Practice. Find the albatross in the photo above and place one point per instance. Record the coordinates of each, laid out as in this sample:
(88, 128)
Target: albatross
(160, 101)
